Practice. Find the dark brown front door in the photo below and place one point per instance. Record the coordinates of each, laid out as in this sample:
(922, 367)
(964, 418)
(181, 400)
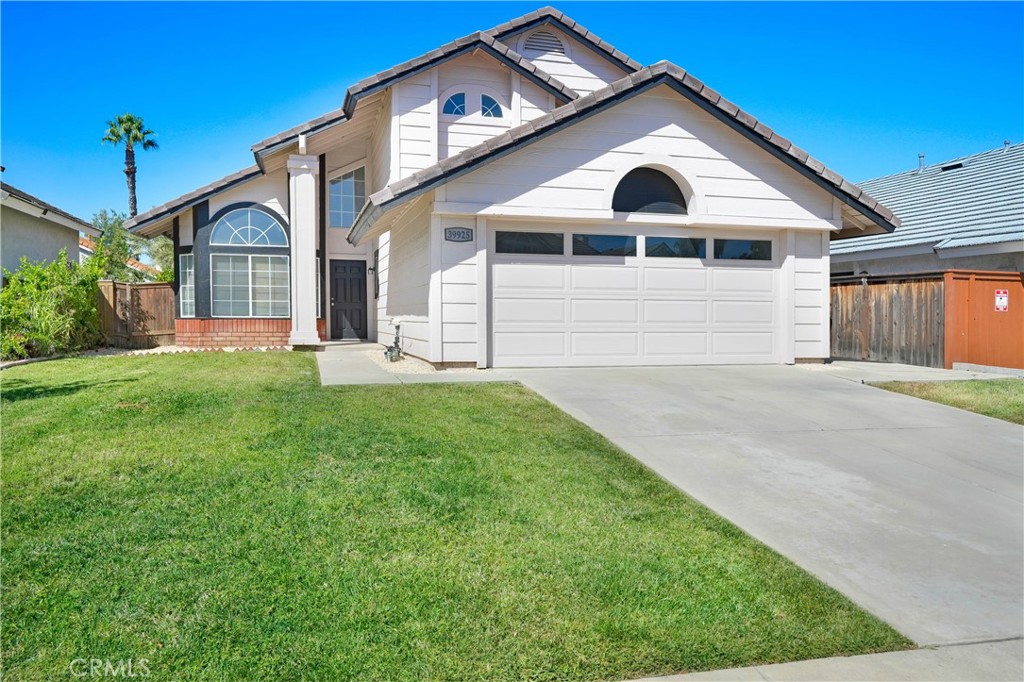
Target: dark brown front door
(348, 299)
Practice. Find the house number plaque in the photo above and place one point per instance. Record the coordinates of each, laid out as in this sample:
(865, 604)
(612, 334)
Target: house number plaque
(458, 234)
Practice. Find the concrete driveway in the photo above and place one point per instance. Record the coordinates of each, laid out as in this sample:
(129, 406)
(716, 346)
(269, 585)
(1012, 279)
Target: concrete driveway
(914, 510)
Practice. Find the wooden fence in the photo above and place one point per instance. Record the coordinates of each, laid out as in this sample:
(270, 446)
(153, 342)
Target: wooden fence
(934, 319)
(137, 315)
(891, 319)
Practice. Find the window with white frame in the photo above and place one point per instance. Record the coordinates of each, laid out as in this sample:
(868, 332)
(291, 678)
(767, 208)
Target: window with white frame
(248, 227)
(455, 105)
(489, 107)
(186, 285)
(347, 196)
(249, 286)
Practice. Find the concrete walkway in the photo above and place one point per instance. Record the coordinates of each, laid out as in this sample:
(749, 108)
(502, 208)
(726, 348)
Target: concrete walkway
(910, 508)
(875, 372)
(987, 661)
(348, 365)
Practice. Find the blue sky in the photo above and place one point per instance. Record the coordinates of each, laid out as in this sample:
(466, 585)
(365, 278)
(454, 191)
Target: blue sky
(862, 86)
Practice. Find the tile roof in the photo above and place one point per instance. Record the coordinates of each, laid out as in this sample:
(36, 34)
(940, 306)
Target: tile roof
(977, 199)
(195, 196)
(475, 41)
(50, 208)
(548, 15)
(90, 246)
(631, 85)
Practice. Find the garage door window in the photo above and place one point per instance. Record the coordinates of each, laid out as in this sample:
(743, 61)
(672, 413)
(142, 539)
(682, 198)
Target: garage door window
(675, 247)
(603, 245)
(743, 249)
(537, 243)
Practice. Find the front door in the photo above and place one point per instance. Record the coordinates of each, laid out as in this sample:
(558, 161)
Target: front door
(348, 299)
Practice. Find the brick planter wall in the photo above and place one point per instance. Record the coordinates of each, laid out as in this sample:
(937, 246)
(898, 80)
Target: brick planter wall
(223, 332)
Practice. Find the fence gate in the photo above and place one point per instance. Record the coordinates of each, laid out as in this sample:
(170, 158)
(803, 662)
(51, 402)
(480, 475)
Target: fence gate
(137, 315)
(894, 319)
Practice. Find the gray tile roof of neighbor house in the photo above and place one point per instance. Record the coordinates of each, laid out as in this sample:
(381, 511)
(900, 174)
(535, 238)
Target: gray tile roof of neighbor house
(47, 208)
(661, 73)
(970, 201)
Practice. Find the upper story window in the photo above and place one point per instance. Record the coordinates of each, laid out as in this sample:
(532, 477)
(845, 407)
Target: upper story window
(347, 196)
(647, 190)
(455, 105)
(489, 107)
(248, 227)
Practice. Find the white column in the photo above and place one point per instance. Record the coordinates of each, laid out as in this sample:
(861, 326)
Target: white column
(302, 172)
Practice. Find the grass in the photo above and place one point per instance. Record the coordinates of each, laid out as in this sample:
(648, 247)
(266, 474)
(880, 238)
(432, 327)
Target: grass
(225, 517)
(999, 398)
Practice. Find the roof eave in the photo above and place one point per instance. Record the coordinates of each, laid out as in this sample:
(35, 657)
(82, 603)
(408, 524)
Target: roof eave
(574, 112)
(471, 43)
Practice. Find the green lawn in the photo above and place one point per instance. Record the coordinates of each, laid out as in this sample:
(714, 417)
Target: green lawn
(999, 398)
(225, 517)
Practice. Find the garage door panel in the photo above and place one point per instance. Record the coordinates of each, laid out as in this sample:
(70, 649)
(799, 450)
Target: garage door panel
(529, 276)
(530, 344)
(675, 312)
(604, 311)
(605, 344)
(746, 281)
(671, 280)
(675, 344)
(743, 312)
(742, 343)
(528, 311)
(559, 311)
(591, 277)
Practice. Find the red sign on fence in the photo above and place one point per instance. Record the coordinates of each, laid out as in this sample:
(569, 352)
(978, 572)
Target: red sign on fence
(1002, 300)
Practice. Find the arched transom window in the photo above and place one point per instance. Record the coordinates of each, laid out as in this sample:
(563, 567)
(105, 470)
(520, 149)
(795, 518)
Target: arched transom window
(248, 227)
(648, 190)
(455, 105)
(489, 107)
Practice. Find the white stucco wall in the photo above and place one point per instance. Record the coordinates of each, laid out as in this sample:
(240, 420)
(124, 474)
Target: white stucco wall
(580, 68)
(271, 190)
(733, 180)
(404, 275)
(414, 121)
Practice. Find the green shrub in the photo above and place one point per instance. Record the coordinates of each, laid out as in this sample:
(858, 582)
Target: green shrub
(49, 307)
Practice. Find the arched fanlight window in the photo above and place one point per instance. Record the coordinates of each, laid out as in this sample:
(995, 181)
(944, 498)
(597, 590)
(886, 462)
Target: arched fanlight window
(647, 190)
(248, 227)
(455, 105)
(489, 107)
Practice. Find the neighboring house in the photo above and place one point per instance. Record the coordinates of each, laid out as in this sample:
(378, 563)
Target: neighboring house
(87, 248)
(965, 214)
(526, 195)
(34, 229)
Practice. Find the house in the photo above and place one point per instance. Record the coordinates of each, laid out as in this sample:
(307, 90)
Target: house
(34, 229)
(87, 248)
(526, 195)
(964, 214)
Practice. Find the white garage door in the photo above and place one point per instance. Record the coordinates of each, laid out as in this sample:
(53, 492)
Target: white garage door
(636, 299)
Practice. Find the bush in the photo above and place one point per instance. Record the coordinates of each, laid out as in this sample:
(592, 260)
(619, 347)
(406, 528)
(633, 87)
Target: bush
(48, 308)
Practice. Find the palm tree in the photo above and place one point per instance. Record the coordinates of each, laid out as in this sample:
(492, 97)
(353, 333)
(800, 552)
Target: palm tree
(130, 130)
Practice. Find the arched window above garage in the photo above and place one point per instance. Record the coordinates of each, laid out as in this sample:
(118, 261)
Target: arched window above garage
(648, 190)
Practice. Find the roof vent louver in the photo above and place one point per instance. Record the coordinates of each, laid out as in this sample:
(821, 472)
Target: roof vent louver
(542, 42)
(953, 166)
